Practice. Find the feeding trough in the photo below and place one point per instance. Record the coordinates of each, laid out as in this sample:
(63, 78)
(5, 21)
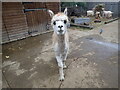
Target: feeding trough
(83, 26)
(81, 22)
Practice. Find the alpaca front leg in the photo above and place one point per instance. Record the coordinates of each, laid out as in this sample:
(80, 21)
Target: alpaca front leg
(61, 78)
(64, 58)
(64, 65)
(60, 64)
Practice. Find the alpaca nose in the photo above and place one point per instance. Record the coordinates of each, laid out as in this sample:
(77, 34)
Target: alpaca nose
(60, 26)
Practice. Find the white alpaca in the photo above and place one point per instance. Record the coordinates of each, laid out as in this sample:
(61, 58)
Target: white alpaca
(60, 39)
(107, 14)
(90, 13)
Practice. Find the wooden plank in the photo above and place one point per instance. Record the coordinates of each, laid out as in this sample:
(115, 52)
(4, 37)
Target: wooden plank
(34, 5)
(11, 3)
(15, 20)
(5, 37)
(111, 21)
(21, 15)
(22, 19)
(54, 6)
(13, 29)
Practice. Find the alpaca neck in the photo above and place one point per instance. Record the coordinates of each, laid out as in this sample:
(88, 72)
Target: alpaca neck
(61, 43)
(61, 38)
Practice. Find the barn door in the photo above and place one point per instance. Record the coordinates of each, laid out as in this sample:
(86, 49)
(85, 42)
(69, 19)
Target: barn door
(37, 17)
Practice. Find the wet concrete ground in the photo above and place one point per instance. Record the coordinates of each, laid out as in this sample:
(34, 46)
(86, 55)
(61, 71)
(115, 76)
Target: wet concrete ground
(92, 61)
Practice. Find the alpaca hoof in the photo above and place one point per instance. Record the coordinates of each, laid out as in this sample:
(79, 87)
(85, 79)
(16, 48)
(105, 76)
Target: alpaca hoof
(61, 78)
(64, 66)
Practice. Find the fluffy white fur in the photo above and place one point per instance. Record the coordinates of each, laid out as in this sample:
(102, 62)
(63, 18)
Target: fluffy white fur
(60, 39)
(107, 14)
(90, 13)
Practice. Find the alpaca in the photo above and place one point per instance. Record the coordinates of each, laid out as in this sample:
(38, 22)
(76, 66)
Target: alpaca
(59, 23)
(90, 13)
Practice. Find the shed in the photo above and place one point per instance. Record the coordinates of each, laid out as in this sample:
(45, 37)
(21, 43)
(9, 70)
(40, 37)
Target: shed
(25, 19)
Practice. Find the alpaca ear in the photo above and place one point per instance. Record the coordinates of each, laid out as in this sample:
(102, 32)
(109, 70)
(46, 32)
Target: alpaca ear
(65, 11)
(51, 13)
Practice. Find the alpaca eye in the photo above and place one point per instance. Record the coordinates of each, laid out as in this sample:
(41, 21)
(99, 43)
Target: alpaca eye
(54, 23)
(65, 21)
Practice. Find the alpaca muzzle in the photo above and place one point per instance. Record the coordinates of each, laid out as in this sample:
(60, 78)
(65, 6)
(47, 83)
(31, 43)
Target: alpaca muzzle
(60, 31)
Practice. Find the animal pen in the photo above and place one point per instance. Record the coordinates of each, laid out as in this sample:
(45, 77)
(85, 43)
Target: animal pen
(25, 19)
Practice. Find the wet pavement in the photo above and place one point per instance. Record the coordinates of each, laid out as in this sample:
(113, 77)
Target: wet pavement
(92, 61)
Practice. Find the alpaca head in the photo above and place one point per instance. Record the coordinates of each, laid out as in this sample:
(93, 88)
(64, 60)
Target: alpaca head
(59, 21)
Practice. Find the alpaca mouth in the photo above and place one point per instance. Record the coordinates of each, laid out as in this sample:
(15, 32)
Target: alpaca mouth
(60, 31)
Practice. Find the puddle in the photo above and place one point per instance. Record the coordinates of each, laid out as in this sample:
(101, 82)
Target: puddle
(107, 44)
(111, 45)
